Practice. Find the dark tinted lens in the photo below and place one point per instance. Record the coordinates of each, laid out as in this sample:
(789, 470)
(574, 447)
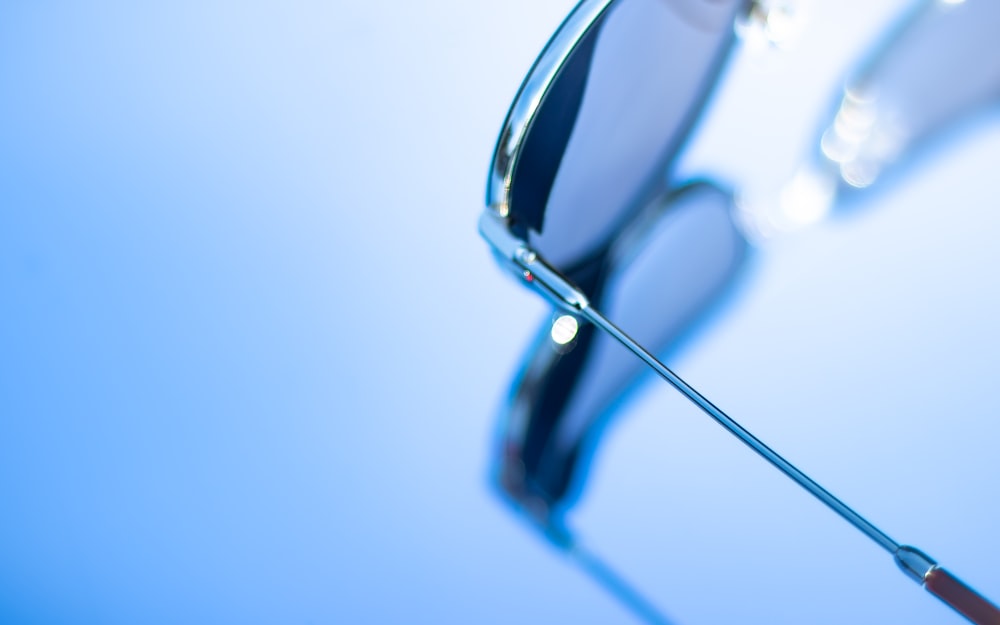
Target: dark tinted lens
(659, 279)
(600, 143)
(544, 146)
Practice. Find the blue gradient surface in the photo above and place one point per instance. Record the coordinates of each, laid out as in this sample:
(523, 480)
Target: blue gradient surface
(251, 348)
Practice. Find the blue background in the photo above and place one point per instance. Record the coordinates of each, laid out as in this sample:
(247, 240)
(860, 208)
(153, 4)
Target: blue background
(251, 347)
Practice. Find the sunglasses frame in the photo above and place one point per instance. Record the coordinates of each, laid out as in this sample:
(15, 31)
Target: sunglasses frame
(517, 256)
(584, 17)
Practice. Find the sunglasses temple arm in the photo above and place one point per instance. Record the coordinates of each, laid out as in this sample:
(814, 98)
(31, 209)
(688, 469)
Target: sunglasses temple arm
(960, 597)
(913, 562)
(743, 434)
(938, 581)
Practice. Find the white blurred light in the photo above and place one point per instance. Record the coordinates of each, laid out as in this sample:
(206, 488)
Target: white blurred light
(564, 329)
(772, 24)
(835, 148)
(851, 129)
(859, 173)
(865, 135)
(806, 198)
(784, 24)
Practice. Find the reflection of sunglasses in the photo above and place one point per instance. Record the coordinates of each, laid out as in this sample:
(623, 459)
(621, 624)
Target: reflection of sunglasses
(582, 210)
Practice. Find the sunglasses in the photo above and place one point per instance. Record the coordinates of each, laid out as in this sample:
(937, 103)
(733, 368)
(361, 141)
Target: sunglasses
(586, 208)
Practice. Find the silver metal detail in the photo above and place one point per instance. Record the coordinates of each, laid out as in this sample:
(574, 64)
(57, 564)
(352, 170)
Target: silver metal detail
(560, 290)
(493, 229)
(734, 428)
(915, 563)
(529, 265)
(528, 100)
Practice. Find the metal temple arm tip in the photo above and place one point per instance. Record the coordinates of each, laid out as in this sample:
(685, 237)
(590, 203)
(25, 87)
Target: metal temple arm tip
(964, 600)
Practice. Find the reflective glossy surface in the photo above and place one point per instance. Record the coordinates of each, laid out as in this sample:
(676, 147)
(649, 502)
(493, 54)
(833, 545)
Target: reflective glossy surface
(661, 274)
(540, 79)
(591, 135)
(935, 71)
(932, 74)
(538, 420)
